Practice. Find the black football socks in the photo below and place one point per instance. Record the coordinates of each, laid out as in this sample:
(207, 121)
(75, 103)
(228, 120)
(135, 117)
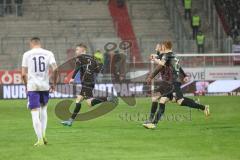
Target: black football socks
(192, 104)
(76, 111)
(153, 110)
(160, 113)
(96, 101)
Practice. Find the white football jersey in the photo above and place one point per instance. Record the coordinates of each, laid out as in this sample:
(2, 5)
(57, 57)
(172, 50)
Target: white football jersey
(38, 61)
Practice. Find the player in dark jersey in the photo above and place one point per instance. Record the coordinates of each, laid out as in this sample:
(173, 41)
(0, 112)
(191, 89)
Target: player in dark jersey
(89, 67)
(156, 97)
(170, 70)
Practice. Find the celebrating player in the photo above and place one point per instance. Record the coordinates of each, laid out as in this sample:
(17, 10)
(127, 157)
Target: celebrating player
(88, 67)
(35, 74)
(170, 68)
(156, 97)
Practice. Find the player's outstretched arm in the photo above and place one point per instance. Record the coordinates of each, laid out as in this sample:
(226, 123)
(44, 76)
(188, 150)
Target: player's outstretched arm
(157, 60)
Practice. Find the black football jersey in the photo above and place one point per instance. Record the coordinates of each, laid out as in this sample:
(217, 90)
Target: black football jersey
(172, 67)
(88, 67)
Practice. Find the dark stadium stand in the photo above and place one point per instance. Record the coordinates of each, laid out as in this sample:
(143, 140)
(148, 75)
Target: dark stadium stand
(124, 28)
(62, 24)
(229, 12)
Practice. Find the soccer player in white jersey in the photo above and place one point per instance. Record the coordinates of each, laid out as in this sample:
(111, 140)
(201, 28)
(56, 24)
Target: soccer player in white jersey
(36, 64)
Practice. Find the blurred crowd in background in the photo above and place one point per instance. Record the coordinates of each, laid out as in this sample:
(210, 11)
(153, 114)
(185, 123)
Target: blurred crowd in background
(229, 11)
(8, 7)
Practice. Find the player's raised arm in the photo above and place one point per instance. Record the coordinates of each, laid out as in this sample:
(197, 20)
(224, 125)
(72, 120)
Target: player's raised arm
(154, 73)
(159, 61)
(158, 57)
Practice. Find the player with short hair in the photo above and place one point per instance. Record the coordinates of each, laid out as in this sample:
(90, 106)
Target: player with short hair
(36, 64)
(88, 66)
(171, 67)
(156, 97)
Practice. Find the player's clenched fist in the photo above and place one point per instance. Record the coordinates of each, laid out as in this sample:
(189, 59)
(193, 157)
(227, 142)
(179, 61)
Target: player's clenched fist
(152, 57)
(158, 46)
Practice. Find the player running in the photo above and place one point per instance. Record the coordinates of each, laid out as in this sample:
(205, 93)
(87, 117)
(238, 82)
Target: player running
(156, 97)
(35, 74)
(88, 67)
(169, 66)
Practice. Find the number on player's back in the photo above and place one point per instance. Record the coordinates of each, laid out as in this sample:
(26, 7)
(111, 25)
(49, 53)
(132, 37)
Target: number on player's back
(39, 63)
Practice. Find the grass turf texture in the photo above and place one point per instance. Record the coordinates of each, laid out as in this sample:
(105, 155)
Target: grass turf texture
(117, 136)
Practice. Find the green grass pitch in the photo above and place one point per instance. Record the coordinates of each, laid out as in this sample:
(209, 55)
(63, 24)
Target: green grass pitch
(119, 135)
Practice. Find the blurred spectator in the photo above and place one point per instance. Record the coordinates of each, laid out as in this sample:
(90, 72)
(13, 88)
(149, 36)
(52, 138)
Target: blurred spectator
(115, 62)
(120, 3)
(119, 63)
(195, 25)
(8, 8)
(235, 32)
(1, 8)
(229, 13)
(107, 61)
(200, 42)
(19, 7)
(237, 40)
(99, 56)
(187, 8)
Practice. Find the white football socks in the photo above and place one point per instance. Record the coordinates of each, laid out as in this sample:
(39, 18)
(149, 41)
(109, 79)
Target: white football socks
(43, 119)
(37, 124)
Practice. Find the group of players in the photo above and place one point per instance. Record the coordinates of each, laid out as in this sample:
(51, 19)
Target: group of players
(37, 62)
(171, 74)
(36, 66)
